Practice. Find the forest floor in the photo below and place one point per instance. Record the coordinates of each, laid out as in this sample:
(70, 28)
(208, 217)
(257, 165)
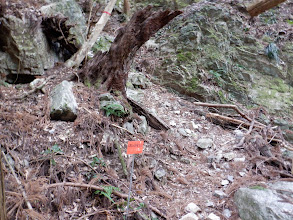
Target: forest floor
(69, 171)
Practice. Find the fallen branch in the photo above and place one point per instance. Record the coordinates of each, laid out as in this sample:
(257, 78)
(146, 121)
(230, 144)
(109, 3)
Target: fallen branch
(88, 186)
(35, 89)
(18, 182)
(235, 107)
(232, 120)
(259, 6)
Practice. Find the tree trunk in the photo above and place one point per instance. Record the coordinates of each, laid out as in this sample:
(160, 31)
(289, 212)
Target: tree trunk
(109, 70)
(259, 6)
(2, 193)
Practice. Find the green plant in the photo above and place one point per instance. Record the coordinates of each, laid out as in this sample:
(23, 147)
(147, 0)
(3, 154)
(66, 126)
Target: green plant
(107, 192)
(98, 162)
(217, 76)
(52, 152)
(289, 21)
(114, 109)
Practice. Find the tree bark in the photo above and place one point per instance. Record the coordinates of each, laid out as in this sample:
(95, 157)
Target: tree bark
(109, 70)
(2, 192)
(259, 6)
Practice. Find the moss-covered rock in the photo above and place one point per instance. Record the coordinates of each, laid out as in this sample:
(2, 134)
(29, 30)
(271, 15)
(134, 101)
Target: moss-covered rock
(207, 54)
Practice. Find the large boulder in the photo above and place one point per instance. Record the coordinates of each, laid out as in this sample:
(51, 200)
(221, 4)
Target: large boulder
(259, 203)
(207, 53)
(71, 10)
(23, 47)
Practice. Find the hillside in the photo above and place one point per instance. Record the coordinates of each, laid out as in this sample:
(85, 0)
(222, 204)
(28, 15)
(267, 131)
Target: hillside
(74, 170)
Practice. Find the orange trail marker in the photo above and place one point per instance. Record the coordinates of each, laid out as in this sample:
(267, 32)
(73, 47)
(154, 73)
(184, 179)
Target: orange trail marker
(134, 147)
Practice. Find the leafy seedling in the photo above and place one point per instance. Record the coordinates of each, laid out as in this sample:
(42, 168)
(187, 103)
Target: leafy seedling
(107, 192)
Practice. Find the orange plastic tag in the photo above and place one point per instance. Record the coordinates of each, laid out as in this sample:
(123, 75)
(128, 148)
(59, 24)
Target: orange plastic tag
(134, 147)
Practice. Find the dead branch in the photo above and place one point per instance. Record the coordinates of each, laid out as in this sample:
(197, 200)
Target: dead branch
(78, 57)
(35, 89)
(235, 107)
(88, 186)
(232, 120)
(18, 182)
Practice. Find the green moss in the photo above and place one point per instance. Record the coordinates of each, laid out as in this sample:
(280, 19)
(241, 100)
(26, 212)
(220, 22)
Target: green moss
(184, 56)
(279, 85)
(193, 84)
(98, 83)
(87, 83)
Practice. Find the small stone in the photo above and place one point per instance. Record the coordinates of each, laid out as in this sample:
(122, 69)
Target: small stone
(36, 82)
(173, 157)
(227, 213)
(172, 123)
(177, 112)
(160, 173)
(229, 156)
(182, 132)
(212, 216)
(189, 216)
(195, 126)
(238, 134)
(242, 173)
(129, 126)
(188, 131)
(192, 207)
(220, 194)
(230, 178)
(241, 159)
(204, 143)
(210, 204)
(185, 160)
(224, 182)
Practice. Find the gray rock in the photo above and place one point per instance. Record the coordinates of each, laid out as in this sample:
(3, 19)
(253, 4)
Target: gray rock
(129, 127)
(220, 194)
(185, 160)
(227, 213)
(71, 10)
(160, 173)
(204, 143)
(230, 178)
(240, 159)
(212, 216)
(106, 97)
(136, 95)
(192, 207)
(25, 46)
(229, 156)
(210, 204)
(189, 216)
(224, 182)
(111, 106)
(138, 80)
(63, 103)
(143, 127)
(270, 203)
(183, 132)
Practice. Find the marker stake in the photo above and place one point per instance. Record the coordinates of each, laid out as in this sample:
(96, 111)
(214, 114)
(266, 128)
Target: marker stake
(130, 185)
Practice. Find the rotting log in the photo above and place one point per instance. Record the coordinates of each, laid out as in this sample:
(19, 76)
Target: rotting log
(2, 193)
(259, 6)
(109, 70)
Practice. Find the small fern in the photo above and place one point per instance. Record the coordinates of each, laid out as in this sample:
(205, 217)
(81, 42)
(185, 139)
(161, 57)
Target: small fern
(107, 192)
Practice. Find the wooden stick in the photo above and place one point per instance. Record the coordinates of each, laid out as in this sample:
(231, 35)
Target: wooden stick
(18, 182)
(235, 107)
(2, 193)
(232, 120)
(78, 57)
(88, 186)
